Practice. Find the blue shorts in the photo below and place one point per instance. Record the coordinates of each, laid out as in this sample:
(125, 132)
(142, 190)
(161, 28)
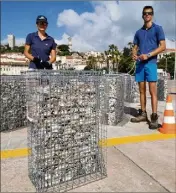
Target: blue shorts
(146, 72)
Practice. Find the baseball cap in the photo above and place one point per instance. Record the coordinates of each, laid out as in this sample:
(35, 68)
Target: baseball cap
(41, 18)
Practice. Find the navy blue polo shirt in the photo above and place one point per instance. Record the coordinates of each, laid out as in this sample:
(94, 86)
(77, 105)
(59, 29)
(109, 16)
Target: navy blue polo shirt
(40, 48)
(148, 40)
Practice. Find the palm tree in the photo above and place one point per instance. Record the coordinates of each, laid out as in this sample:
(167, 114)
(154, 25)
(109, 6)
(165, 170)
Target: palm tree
(126, 62)
(130, 44)
(102, 59)
(98, 61)
(115, 56)
(107, 58)
(91, 62)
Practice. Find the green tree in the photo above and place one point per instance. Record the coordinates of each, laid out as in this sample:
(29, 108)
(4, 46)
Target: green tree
(8, 47)
(130, 44)
(21, 49)
(88, 67)
(107, 58)
(114, 56)
(98, 59)
(16, 49)
(167, 63)
(126, 62)
(63, 50)
(102, 60)
(91, 63)
(126, 52)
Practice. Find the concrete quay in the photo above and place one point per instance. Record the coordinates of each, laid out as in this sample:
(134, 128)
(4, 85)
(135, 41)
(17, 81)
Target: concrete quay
(139, 159)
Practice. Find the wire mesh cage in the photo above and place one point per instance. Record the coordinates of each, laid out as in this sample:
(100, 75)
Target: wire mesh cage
(131, 90)
(162, 88)
(65, 135)
(13, 102)
(112, 99)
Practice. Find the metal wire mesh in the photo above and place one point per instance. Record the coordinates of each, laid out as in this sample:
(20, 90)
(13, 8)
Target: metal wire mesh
(63, 109)
(13, 102)
(112, 99)
(131, 90)
(162, 88)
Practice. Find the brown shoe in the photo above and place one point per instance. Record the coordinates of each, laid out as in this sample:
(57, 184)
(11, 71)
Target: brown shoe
(142, 117)
(154, 121)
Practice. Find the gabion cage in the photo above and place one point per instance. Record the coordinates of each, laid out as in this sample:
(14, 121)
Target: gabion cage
(13, 102)
(65, 133)
(112, 99)
(162, 88)
(131, 90)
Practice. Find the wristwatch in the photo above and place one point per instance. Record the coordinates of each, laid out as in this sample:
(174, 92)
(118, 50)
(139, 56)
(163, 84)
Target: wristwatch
(149, 55)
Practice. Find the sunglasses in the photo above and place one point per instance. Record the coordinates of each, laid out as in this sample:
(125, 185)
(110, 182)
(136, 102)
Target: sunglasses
(42, 23)
(147, 13)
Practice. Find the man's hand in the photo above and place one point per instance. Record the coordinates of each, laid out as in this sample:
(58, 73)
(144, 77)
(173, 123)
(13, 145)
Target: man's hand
(135, 57)
(143, 57)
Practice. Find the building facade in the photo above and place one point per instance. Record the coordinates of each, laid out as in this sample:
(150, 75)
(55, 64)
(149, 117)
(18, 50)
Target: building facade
(13, 63)
(11, 40)
(69, 62)
(13, 68)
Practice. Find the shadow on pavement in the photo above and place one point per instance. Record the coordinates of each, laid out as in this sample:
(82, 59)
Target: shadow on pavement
(130, 111)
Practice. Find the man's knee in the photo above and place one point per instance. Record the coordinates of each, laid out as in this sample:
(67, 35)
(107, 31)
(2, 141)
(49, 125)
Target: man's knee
(142, 87)
(142, 91)
(153, 88)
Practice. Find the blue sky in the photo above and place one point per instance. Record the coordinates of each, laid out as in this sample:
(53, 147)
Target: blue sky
(92, 25)
(19, 18)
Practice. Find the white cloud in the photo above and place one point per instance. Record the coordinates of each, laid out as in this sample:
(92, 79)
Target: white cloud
(64, 39)
(18, 41)
(111, 22)
(170, 44)
(70, 18)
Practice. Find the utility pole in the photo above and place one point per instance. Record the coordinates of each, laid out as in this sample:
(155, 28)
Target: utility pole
(175, 67)
(166, 64)
(175, 60)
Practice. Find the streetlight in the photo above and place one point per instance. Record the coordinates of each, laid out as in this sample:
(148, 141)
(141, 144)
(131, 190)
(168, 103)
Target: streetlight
(173, 40)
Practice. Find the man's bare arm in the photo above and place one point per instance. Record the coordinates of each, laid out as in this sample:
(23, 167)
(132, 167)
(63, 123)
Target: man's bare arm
(160, 49)
(134, 52)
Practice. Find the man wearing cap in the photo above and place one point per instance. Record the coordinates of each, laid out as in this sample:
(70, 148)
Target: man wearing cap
(40, 48)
